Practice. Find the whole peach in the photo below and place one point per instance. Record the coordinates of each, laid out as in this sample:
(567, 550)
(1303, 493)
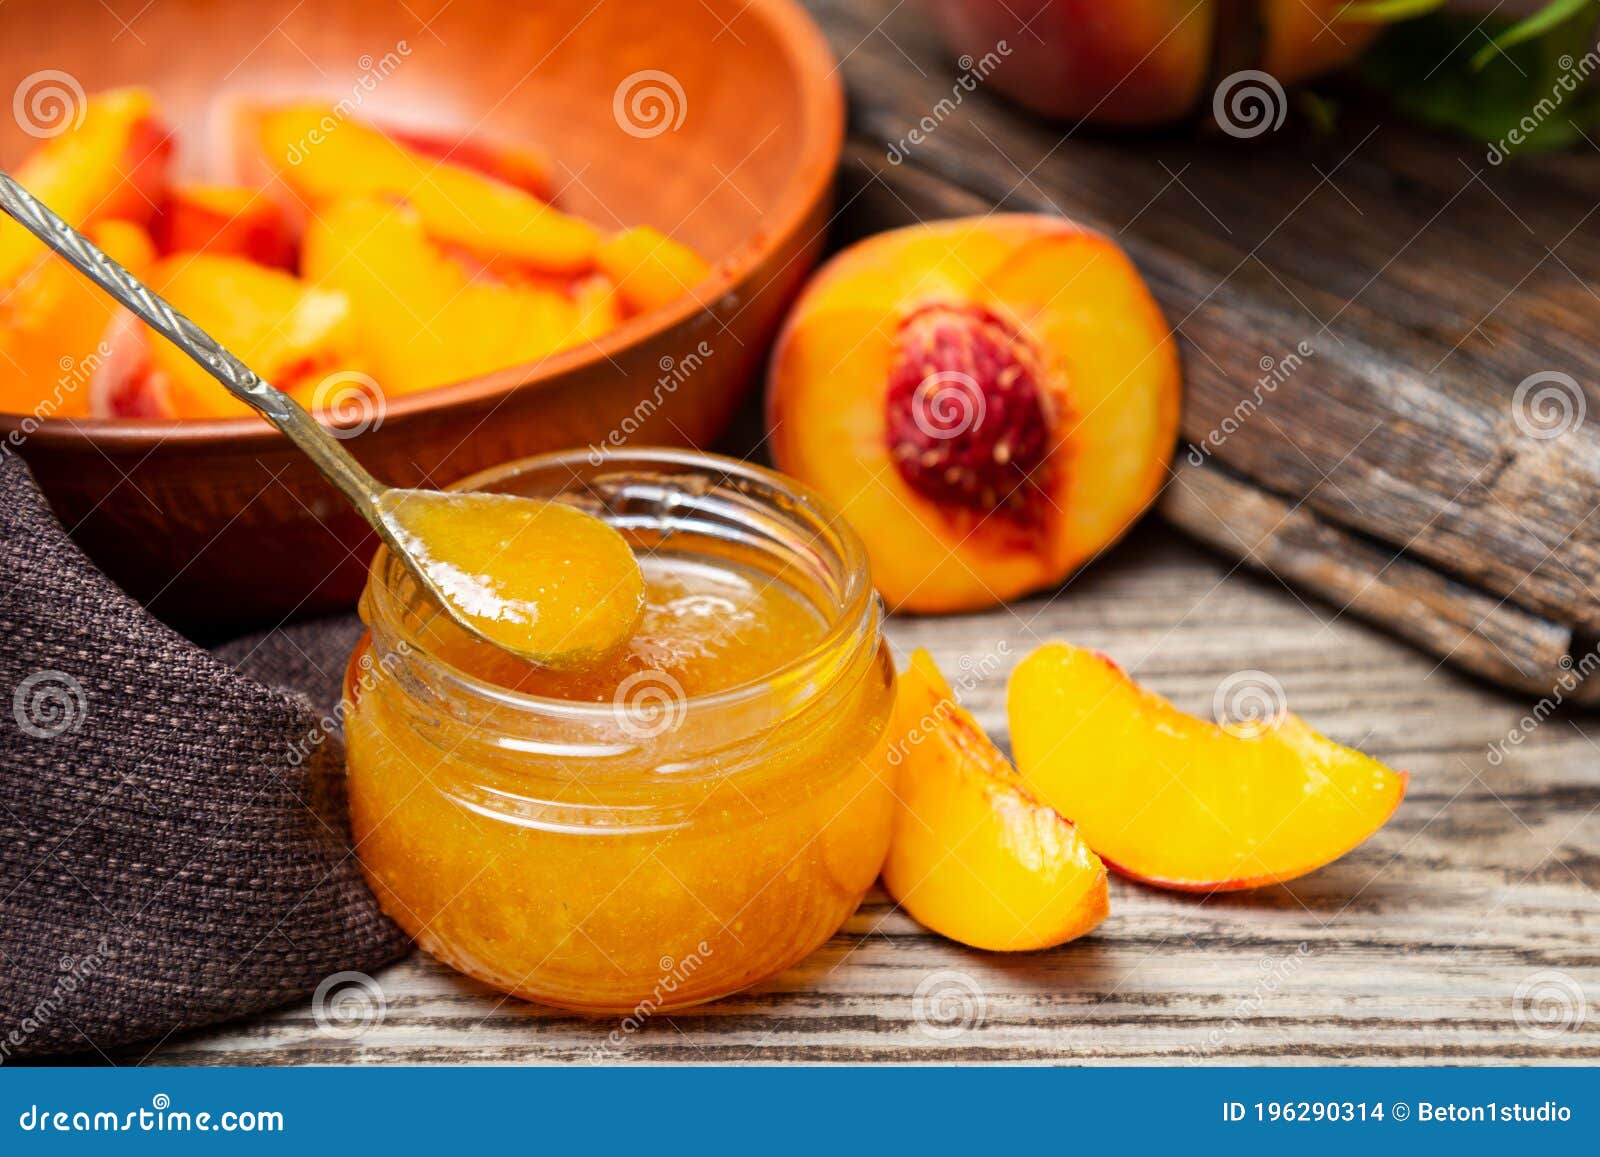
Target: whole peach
(1141, 62)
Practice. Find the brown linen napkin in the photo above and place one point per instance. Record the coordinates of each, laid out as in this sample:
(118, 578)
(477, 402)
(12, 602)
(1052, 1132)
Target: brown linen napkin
(174, 849)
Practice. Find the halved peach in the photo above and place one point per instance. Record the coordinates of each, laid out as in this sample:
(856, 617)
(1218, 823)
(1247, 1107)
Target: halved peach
(322, 158)
(226, 221)
(974, 855)
(990, 401)
(427, 318)
(56, 328)
(1178, 802)
(111, 166)
(294, 335)
(650, 268)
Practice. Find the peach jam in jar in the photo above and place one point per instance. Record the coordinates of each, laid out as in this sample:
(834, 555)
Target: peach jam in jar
(670, 823)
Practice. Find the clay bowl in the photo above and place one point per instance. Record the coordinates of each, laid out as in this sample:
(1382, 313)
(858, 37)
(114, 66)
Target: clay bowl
(218, 522)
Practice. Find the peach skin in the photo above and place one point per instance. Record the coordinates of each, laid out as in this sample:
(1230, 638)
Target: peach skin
(1136, 62)
(514, 164)
(974, 855)
(990, 401)
(226, 221)
(1142, 62)
(1302, 39)
(1180, 803)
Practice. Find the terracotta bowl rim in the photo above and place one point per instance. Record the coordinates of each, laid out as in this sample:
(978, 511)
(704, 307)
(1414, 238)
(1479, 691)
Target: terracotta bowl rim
(821, 95)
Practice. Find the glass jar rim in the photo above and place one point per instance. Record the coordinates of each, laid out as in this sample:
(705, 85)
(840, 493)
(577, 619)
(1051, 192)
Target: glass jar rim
(858, 607)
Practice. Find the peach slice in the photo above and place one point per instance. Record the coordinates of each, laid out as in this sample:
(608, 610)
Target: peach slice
(514, 164)
(650, 268)
(226, 221)
(110, 166)
(974, 855)
(990, 401)
(292, 334)
(1178, 802)
(56, 329)
(323, 158)
(425, 317)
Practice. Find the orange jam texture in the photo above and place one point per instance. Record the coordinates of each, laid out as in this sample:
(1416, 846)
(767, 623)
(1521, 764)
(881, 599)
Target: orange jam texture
(545, 579)
(716, 850)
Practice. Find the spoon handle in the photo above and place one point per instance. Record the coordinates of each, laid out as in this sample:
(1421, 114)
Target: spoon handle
(324, 450)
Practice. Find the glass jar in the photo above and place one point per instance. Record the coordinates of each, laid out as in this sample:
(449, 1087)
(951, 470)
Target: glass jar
(664, 847)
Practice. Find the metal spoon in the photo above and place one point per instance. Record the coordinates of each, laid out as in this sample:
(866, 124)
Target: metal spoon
(393, 512)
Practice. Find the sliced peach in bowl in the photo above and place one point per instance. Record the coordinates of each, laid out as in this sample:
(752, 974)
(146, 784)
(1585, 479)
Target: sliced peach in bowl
(57, 329)
(113, 165)
(227, 221)
(990, 401)
(650, 268)
(292, 334)
(514, 163)
(427, 316)
(975, 856)
(322, 157)
(1176, 801)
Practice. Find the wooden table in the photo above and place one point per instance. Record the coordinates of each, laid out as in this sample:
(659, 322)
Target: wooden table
(1442, 939)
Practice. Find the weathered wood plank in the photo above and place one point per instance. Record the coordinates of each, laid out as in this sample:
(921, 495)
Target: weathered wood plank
(1466, 626)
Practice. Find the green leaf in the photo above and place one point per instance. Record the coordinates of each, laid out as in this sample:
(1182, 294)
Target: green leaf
(1547, 19)
(1531, 96)
(1388, 11)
